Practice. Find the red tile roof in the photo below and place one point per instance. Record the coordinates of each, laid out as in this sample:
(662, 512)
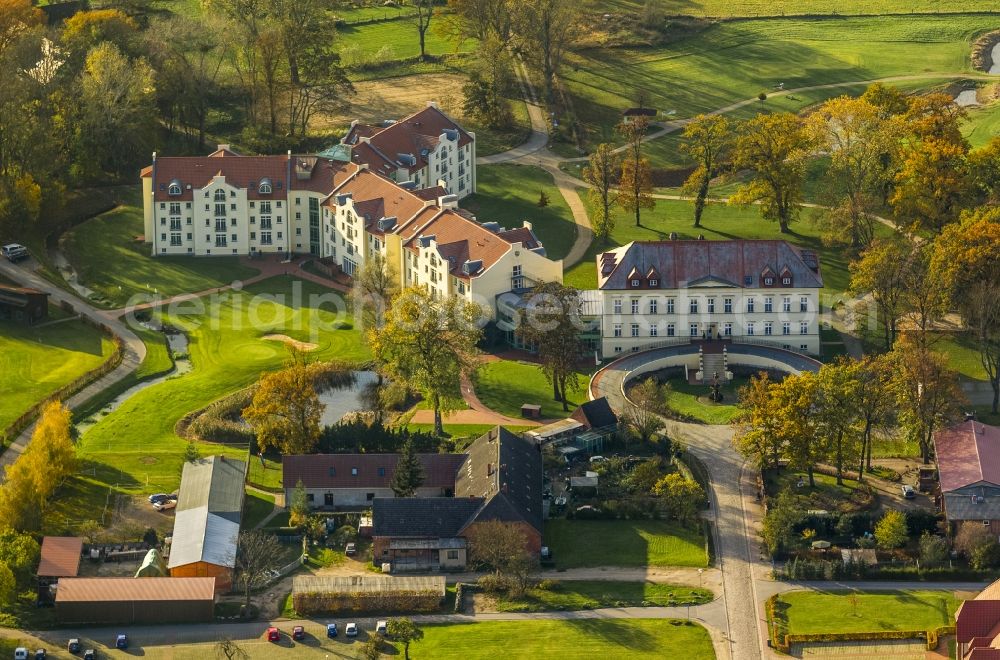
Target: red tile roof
(421, 130)
(462, 239)
(968, 453)
(980, 617)
(118, 589)
(198, 172)
(314, 470)
(60, 556)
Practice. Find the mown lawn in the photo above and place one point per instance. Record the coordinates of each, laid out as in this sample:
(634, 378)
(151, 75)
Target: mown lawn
(692, 400)
(256, 507)
(727, 8)
(983, 125)
(591, 594)
(505, 385)
(111, 262)
(509, 194)
(555, 640)
(35, 362)
(135, 449)
(399, 40)
(579, 543)
(809, 612)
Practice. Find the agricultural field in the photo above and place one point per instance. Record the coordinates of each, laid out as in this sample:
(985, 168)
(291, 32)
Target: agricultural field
(134, 449)
(37, 361)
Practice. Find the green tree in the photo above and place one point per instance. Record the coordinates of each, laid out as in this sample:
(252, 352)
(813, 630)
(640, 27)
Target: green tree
(756, 422)
(405, 632)
(409, 474)
(552, 323)
(428, 343)
(8, 586)
(890, 530)
(708, 141)
(299, 509)
(774, 149)
(778, 527)
(191, 453)
(19, 552)
(547, 29)
(285, 412)
(600, 173)
(838, 418)
(371, 648)
(933, 549)
(635, 185)
(882, 271)
(684, 497)
(375, 284)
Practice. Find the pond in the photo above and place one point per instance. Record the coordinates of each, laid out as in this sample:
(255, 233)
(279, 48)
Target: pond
(339, 402)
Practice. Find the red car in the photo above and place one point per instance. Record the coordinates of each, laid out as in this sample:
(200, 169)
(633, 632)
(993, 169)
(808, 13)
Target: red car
(273, 634)
(298, 633)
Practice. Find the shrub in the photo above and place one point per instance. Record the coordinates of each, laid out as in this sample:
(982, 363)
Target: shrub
(971, 535)
(890, 531)
(985, 556)
(933, 549)
(920, 521)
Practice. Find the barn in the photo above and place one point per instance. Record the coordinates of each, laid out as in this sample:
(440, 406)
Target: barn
(123, 600)
(207, 520)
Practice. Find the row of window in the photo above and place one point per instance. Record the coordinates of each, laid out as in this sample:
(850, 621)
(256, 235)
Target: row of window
(220, 239)
(653, 305)
(695, 329)
(787, 347)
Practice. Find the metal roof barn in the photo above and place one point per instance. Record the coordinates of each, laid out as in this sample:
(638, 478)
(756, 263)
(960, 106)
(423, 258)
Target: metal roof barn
(125, 600)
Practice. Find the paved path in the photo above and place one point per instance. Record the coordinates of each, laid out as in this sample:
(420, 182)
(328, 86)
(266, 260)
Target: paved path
(134, 349)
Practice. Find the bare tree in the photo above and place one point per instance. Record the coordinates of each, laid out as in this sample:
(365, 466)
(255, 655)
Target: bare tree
(982, 314)
(425, 12)
(227, 649)
(502, 548)
(255, 556)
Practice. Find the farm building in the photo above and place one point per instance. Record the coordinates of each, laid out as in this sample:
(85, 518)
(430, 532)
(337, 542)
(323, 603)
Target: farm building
(59, 558)
(366, 593)
(27, 306)
(968, 457)
(346, 481)
(125, 600)
(207, 522)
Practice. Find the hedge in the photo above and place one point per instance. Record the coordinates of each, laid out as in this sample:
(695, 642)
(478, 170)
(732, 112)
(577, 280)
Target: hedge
(317, 603)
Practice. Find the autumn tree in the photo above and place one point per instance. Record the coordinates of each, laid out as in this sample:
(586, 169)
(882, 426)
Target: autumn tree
(552, 323)
(16, 18)
(774, 149)
(257, 554)
(708, 140)
(491, 83)
(926, 392)
(873, 400)
(375, 284)
(286, 410)
(409, 473)
(890, 530)
(838, 418)
(882, 272)
(87, 29)
(546, 29)
(428, 343)
(984, 165)
(799, 422)
(19, 552)
(683, 497)
(936, 117)
(756, 424)
(643, 414)
(635, 185)
(405, 632)
(863, 147)
(890, 101)
(600, 173)
(933, 185)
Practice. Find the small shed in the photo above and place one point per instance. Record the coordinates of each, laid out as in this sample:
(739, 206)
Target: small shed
(631, 114)
(27, 306)
(531, 411)
(556, 433)
(59, 558)
(123, 600)
(367, 593)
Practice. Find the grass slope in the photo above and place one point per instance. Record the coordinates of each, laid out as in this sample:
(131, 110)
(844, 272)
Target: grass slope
(983, 125)
(110, 261)
(509, 194)
(555, 640)
(727, 8)
(579, 543)
(505, 385)
(807, 612)
(135, 448)
(35, 362)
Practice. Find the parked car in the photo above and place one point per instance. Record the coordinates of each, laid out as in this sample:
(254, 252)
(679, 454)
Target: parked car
(908, 491)
(331, 630)
(167, 504)
(89, 654)
(273, 634)
(382, 627)
(298, 633)
(597, 459)
(40, 654)
(351, 630)
(15, 252)
(160, 498)
(73, 646)
(546, 553)
(351, 549)
(121, 641)
(560, 501)
(20, 653)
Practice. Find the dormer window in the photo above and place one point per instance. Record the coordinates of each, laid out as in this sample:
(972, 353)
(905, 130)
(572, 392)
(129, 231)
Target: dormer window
(768, 281)
(654, 282)
(265, 187)
(635, 284)
(174, 188)
(787, 281)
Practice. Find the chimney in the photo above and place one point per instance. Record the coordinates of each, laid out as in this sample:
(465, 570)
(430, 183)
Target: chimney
(222, 147)
(154, 156)
(489, 469)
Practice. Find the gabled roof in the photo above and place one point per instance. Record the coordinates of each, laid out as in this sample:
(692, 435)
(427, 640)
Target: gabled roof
(967, 454)
(462, 240)
(596, 414)
(980, 617)
(419, 132)
(422, 517)
(209, 507)
(336, 470)
(680, 263)
(506, 470)
(123, 589)
(60, 556)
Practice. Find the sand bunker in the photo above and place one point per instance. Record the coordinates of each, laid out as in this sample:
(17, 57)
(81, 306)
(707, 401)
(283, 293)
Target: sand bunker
(294, 343)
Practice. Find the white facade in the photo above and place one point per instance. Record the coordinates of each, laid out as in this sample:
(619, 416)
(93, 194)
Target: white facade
(780, 317)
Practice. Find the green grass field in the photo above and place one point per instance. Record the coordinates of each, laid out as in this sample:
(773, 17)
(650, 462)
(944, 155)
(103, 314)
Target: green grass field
(509, 194)
(731, 61)
(809, 612)
(591, 594)
(35, 362)
(505, 385)
(686, 399)
(579, 543)
(109, 260)
(983, 125)
(722, 8)
(135, 448)
(256, 507)
(399, 38)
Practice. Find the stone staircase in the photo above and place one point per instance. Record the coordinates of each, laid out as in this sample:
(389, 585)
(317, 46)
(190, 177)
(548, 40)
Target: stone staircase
(713, 363)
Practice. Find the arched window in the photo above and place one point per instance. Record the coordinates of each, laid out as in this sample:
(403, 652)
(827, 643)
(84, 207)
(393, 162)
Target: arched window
(220, 195)
(265, 187)
(174, 188)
